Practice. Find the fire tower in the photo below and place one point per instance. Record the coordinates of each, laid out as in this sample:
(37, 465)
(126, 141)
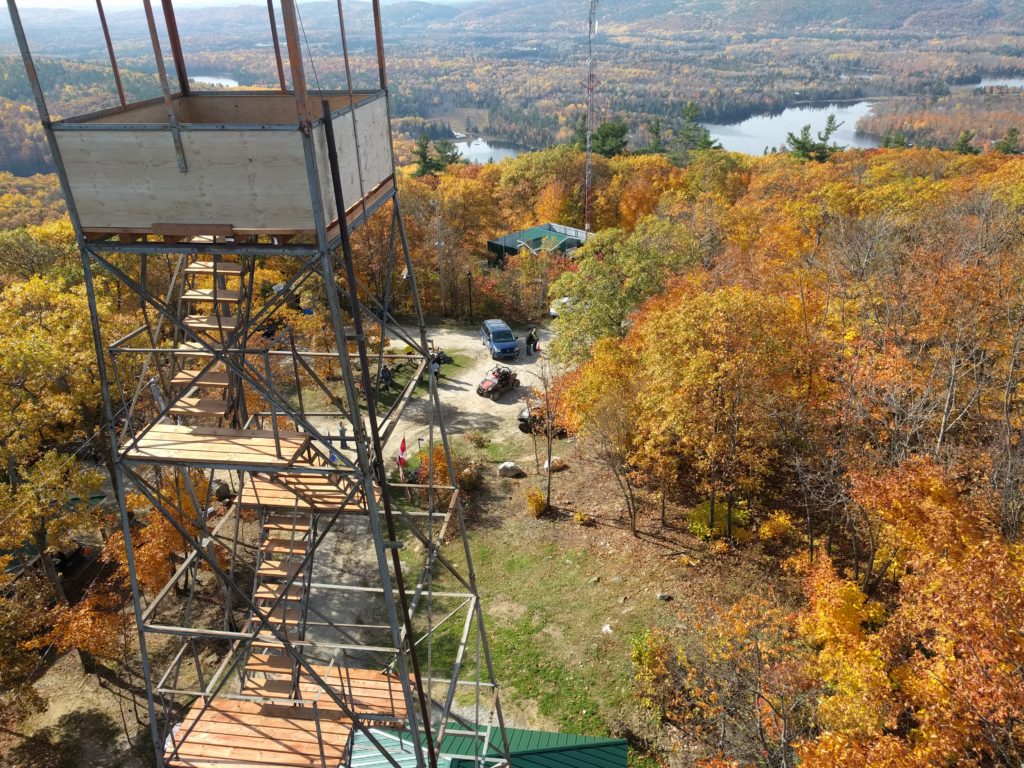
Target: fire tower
(289, 633)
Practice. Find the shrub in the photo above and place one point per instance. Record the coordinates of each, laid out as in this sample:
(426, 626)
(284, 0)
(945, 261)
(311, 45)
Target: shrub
(656, 671)
(536, 503)
(720, 547)
(470, 478)
(477, 439)
(583, 519)
(698, 524)
(777, 527)
(740, 514)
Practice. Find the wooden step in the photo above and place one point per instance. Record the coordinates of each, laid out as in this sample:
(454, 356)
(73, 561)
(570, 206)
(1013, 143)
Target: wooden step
(200, 406)
(288, 525)
(296, 491)
(381, 697)
(195, 349)
(282, 664)
(208, 323)
(219, 268)
(217, 446)
(192, 378)
(213, 296)
(274, 591)
(277, 569)
(283, 548)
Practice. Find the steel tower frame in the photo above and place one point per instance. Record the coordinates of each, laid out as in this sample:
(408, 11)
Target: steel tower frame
(277, 459)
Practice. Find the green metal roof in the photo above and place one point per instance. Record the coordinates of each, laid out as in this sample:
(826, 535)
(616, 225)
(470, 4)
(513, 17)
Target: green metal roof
(520, 740)
(529, 749)
(548, 237)
(542, 749)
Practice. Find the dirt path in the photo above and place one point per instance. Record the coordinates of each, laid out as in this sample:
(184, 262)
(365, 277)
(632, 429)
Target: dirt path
(462, 408)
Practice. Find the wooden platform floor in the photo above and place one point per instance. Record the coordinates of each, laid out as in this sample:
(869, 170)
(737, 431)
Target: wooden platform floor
(217, 446)
(245, 734)
(294, 491)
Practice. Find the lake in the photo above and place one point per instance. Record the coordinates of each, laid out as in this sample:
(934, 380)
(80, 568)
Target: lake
(755, 133)
(1002, 82)
(482, 151)
(221, 82)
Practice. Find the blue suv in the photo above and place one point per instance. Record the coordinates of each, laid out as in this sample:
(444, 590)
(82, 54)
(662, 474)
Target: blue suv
(498, 338)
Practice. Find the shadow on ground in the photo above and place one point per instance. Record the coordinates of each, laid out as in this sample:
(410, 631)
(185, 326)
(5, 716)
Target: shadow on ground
(87, 737)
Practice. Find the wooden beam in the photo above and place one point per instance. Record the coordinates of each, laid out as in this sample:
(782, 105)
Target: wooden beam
(110, 53)
(190, 230)
(172, 34)
(277, 46)
(291, 33)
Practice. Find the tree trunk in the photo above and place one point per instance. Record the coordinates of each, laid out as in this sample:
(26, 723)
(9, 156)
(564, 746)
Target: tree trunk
(711, 510)
(48, 568)
(550, 440)
(663, 508)
(728, 516)
(631, 501)
(87, 659)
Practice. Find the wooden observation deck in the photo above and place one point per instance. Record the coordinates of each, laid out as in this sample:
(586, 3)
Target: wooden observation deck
(244, 159)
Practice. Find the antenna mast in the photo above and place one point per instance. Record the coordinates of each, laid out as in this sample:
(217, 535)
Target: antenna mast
(591, 86)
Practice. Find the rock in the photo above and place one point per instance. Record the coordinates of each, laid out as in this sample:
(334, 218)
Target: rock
(510, 469)
(557, 464)
(623, 599)
(664, 597)
(616, 579)
(222, 491)
(606, 629)
(594, 580)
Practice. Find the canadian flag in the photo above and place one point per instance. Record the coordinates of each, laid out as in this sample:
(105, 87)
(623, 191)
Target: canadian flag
(402, 455)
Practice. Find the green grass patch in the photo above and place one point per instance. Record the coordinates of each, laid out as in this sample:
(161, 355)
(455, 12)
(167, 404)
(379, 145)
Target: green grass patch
(560, 692)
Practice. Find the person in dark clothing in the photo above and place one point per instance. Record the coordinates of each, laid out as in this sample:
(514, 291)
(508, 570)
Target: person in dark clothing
(531, 342)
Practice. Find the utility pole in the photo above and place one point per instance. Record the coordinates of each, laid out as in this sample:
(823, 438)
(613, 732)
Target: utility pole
(591, 86)
(440, 254)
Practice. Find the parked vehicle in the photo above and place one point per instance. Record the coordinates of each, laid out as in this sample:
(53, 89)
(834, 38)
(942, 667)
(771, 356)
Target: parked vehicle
(560, 305)
(498, 338)
(497, 382)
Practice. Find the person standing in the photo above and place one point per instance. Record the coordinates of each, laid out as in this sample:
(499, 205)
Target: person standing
(531, 342)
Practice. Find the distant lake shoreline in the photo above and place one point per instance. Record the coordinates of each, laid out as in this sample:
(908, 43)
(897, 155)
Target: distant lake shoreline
(768, 131)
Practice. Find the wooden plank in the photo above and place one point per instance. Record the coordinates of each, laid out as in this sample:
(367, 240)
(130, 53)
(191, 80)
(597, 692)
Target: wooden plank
(282, 523)
(385, 699)
(238, 178)
(248, 752)
(220, 268)
(192, 378)
(199, 406)
(274, 591)
(267, 728)
(297, 717)
(276, 569)
(188, 230)
(283, 547)
(215, 323)
(212, 445)
(213, 296)
(291, 491)
(195, 349)
(374, 156)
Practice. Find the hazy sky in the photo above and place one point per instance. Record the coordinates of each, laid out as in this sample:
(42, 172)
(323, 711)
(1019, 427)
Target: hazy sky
(125, 4)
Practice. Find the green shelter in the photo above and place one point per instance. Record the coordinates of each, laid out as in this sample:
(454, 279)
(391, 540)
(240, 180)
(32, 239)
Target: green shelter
(544, 237)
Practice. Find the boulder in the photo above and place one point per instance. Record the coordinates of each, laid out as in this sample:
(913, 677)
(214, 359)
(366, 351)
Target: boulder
(664, 597)
(510, 469)
(557, 464)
